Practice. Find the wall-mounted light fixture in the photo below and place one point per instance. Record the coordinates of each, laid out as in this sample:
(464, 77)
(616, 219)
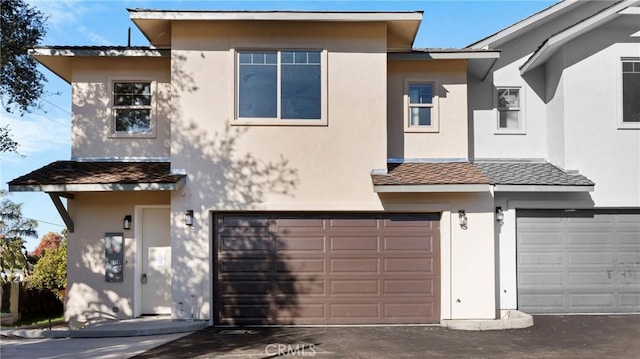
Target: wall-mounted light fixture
(499, 215)
(188, 217)
(126, 222)
(462, 217)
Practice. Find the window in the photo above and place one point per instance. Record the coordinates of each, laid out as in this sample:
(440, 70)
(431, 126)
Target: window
(420, 106)
(132, 107)
(280, 85)
(509, 114)
(631, 92)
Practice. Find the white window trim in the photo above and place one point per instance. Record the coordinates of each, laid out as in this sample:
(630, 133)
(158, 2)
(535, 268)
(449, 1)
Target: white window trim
(521, 113)
(619, 108)
(112, 113)
(244, 121)
(435, 108)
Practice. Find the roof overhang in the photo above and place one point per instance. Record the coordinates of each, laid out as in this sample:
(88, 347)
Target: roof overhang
(555, 42)
(156, 24)
(541, 188)
(113, 187)
(58, 59)
(479, 61)
(433, 188)
(505, 35)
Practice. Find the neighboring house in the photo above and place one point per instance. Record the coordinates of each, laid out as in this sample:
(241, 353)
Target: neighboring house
(291, 168)
(565, 94)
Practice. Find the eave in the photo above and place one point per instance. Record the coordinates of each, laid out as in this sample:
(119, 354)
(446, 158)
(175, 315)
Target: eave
(112, 187)
(555, 42)
(155, 25)
(58, 59)
(541, 188)
(432, 188)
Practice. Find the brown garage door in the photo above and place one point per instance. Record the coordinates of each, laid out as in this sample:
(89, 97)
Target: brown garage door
(327, 269)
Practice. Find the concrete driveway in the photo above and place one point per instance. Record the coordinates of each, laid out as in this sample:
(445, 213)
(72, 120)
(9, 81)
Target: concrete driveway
(552, 337)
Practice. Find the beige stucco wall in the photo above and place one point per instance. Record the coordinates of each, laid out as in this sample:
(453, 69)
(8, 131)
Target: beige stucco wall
(89, 296)
(233, 167)
(450, 77)
(91, 134)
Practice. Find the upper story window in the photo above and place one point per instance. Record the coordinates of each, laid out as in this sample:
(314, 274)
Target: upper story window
(509, 110)
(132, 108)
(421, 101)
(280, 86)
(631, 93)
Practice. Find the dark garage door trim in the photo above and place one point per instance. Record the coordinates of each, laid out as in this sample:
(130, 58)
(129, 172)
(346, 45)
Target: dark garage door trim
(326, 268)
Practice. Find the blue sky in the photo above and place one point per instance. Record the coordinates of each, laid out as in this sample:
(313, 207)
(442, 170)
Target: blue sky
(45, 135)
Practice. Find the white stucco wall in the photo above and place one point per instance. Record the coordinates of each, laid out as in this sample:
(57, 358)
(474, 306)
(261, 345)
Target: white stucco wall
(594, 142)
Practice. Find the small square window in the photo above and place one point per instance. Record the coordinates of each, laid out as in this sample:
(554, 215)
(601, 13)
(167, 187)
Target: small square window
(132, 107)
(420, 106)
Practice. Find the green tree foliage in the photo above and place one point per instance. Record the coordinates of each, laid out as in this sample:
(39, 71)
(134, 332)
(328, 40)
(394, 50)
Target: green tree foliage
(13, 229)
(51, 270)
(7, 144)
(21, 84)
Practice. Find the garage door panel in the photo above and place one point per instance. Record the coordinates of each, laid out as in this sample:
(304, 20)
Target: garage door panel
(407, 243)
(402, 311)
(408, 265)
(360, 244)
(245, 221)
(287, 243)
(579, 266)
(300, 265)
(408, 287)
(353, 224)
(358, 265)
(354, 287)
(328, 269)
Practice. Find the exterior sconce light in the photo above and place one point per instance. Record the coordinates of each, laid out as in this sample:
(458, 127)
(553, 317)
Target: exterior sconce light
(188, 217)
(126, 222)
(499, 215)
(462, 217)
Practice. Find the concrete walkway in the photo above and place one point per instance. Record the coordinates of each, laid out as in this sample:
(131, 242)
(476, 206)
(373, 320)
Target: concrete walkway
(144, 326)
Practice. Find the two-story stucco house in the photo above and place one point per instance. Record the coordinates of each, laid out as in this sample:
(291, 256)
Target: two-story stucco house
(315, 168)
(564, 92)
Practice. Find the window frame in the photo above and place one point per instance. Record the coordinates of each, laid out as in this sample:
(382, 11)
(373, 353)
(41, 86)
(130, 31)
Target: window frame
(522, 130)
(435, 106)
(278, 120)
(152, 107)
(622, 125)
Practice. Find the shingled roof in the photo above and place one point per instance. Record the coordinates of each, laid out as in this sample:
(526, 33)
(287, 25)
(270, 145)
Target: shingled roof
(530, 173)
(124, 175)
(435, 173)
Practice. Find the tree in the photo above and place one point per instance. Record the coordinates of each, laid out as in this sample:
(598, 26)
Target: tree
(51, 270)
(51, 240)
(13, 229)
(7, 144)
(21, 84)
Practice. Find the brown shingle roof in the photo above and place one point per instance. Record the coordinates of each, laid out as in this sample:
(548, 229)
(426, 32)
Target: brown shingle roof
(72, 172)
(431, 174)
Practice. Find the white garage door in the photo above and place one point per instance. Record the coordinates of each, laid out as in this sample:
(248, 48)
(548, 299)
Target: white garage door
(584, 261)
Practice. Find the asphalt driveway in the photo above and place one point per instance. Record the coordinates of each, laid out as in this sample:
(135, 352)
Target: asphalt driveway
(552, 337)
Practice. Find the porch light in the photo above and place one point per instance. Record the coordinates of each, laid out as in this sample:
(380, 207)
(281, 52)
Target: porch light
(188, 217)
(126, 223)
(462, 217)
(499, 215)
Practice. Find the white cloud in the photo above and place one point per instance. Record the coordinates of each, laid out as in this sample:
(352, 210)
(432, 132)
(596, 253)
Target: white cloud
(95, 38)
(60, 13)
(36, 134)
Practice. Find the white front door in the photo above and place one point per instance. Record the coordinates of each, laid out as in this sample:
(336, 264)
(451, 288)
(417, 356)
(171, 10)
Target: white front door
(156, 261)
